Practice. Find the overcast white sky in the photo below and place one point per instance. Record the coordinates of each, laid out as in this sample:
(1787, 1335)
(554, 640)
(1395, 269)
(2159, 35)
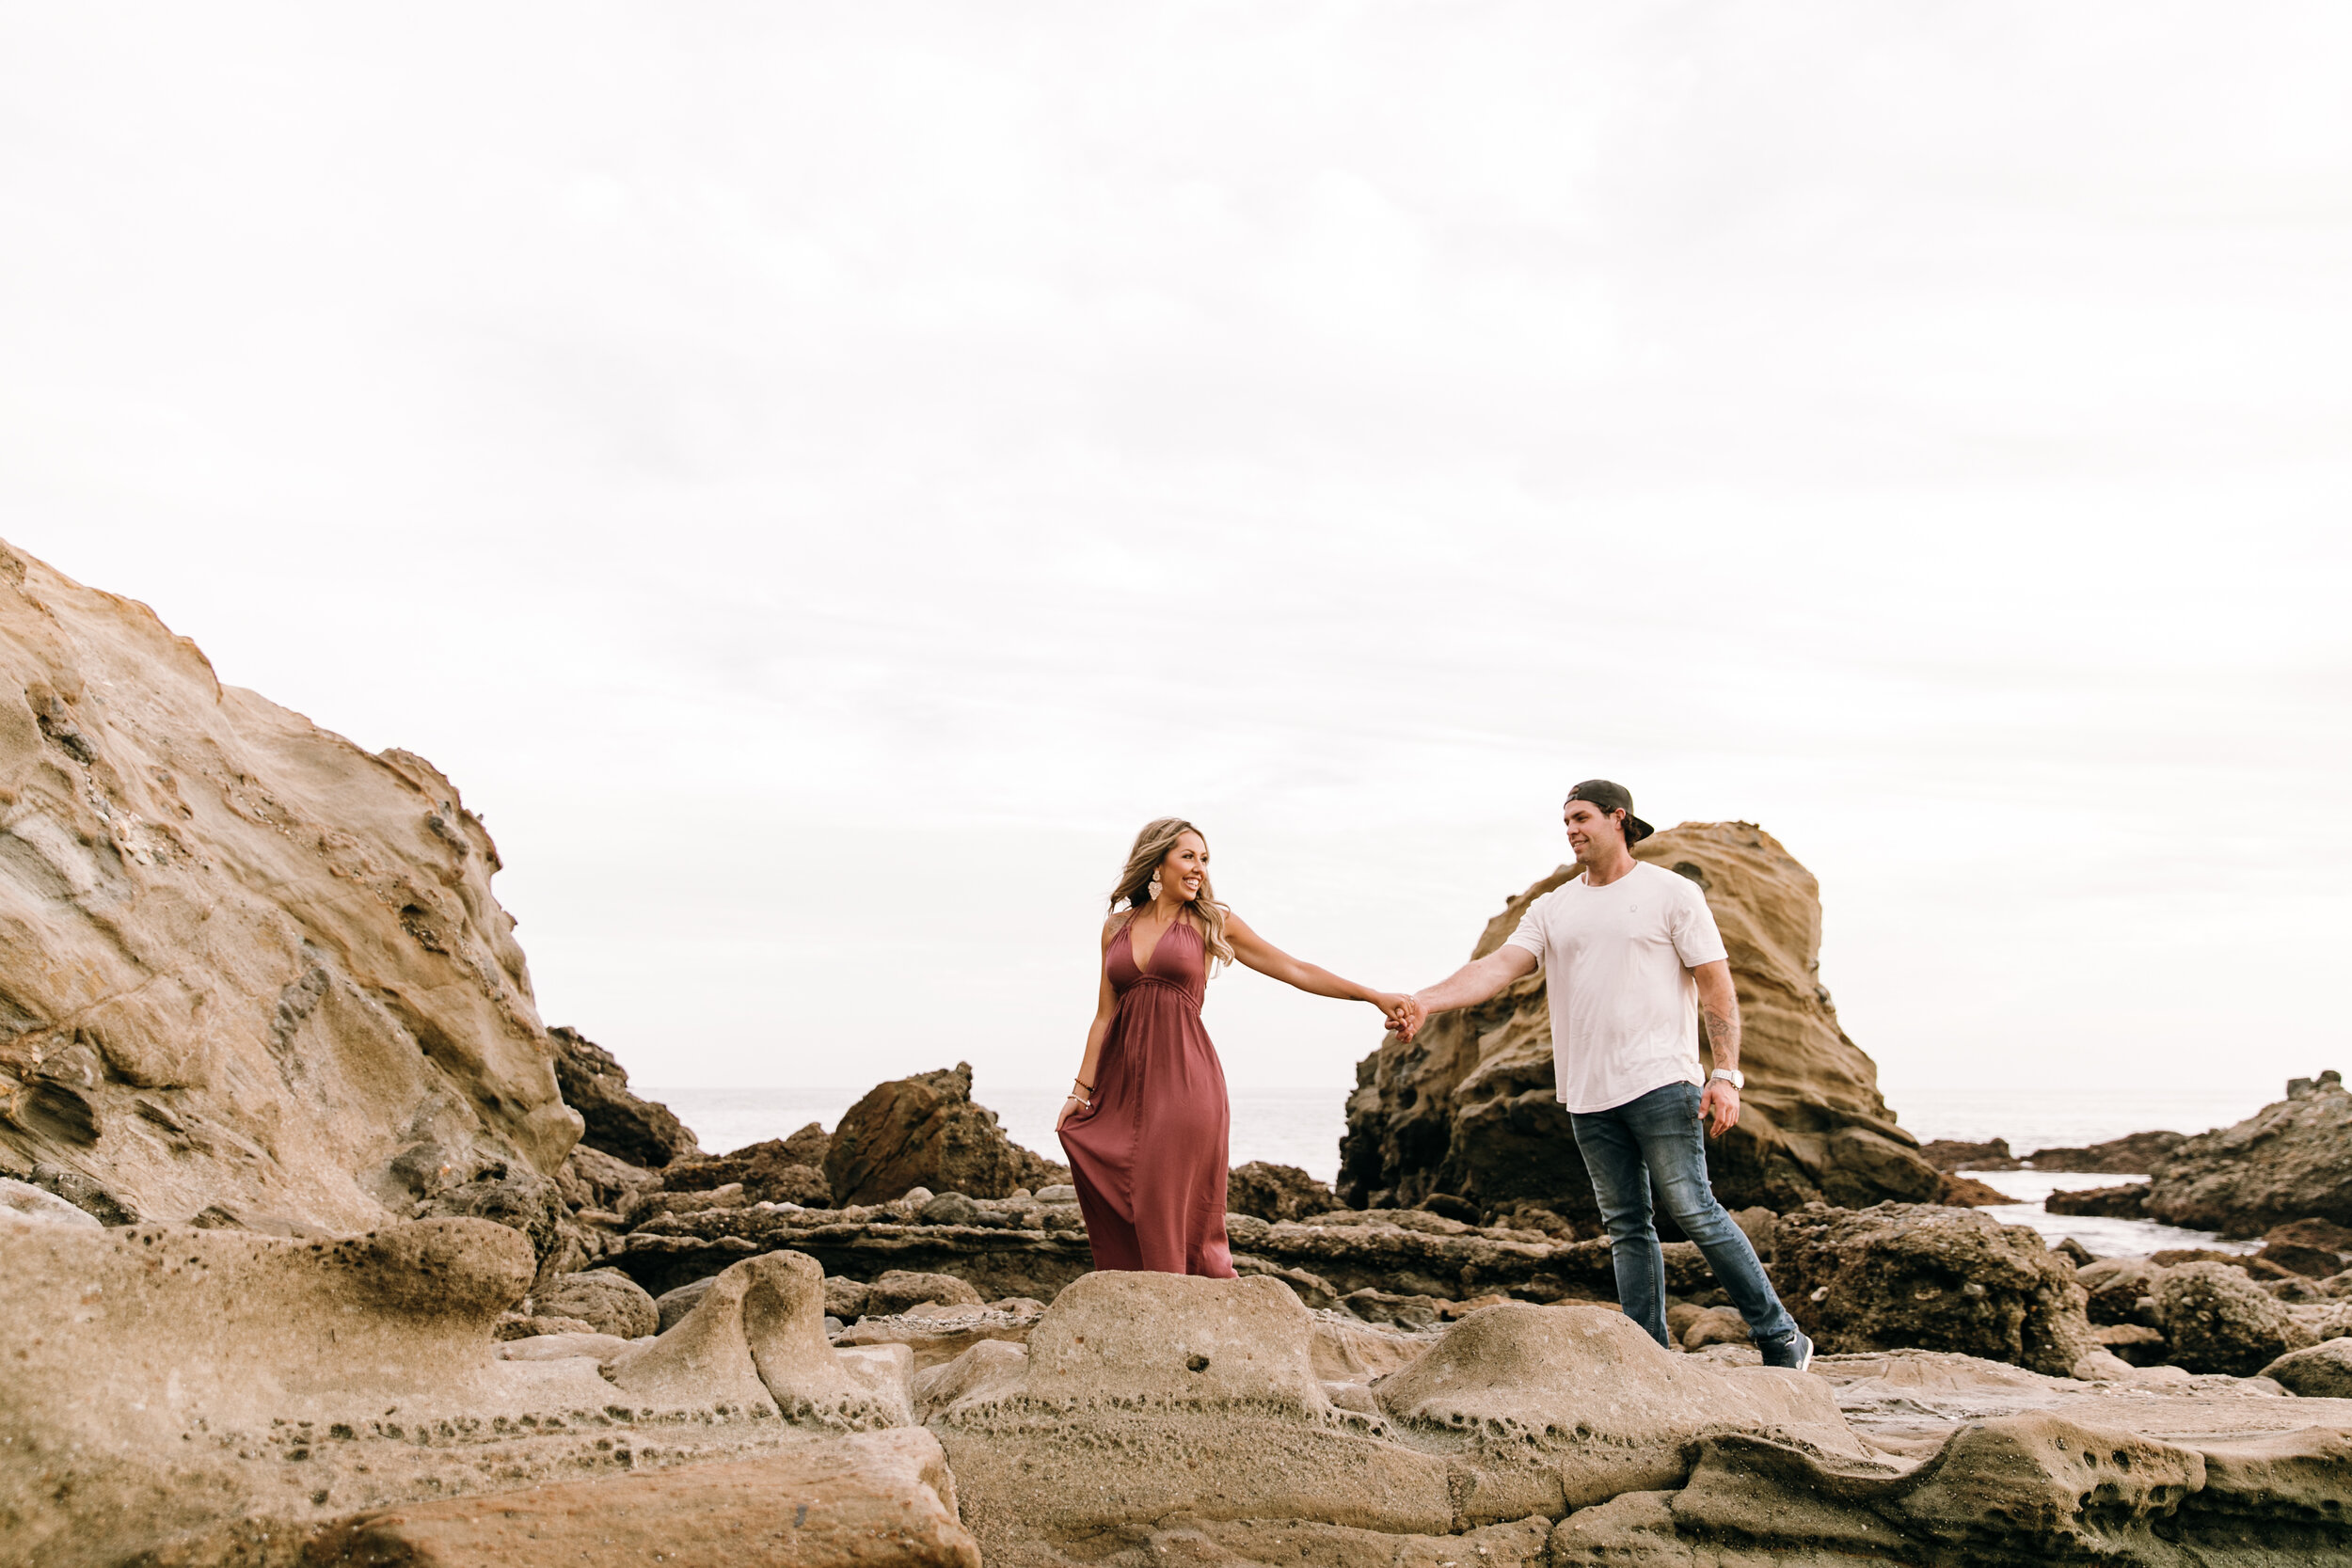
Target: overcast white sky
(818, 476)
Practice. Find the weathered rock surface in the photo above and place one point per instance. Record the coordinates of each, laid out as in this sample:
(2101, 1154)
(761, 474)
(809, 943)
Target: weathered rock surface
(1146, 1397)
(605, 1299)
(157, 1382)
(840, 1502)
(1271, 1191)
(619, 1122)
(1469, 1107)
(2289, 1161)
(2321, 1372)
(2217, 1320)
(926, 1131)
(242, 962)
(776, 1170)
(1904, 1275)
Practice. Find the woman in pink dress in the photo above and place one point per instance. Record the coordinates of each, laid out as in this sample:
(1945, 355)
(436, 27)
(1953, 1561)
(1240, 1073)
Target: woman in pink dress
(1145, 1128)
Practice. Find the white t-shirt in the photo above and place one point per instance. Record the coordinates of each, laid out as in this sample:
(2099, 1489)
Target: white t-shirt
(1616, 963)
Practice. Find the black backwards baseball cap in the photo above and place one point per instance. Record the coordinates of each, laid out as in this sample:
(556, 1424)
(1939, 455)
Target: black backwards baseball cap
(1613, 797)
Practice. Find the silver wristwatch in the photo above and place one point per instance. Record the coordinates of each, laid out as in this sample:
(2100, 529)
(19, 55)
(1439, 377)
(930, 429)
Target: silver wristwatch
(1731, 1075)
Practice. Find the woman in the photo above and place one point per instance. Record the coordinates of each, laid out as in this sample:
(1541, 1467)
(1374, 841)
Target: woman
(1145, 1128)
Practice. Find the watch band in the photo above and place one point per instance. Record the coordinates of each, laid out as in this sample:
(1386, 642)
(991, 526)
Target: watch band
(1731, 1075)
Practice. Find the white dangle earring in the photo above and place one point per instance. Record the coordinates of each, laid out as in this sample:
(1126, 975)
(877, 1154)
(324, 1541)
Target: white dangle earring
(1155, 887)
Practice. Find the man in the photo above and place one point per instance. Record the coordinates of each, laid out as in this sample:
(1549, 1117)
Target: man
(1631, 955)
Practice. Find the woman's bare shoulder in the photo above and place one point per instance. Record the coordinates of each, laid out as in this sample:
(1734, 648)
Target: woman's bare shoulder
(1115, 923)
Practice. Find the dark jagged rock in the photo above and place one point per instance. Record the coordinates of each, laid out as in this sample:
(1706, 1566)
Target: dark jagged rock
(779, 1170)
(926, 1131)
(2133, 1154)
(619, 1122)
(2290, 1161)
(2127, 1202)
(1275, 1192)
(1470, 1108)
(1907, 1275)
(1947, 1154)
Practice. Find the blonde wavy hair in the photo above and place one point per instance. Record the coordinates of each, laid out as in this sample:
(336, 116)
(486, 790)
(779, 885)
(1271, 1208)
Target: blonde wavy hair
(1133, 891)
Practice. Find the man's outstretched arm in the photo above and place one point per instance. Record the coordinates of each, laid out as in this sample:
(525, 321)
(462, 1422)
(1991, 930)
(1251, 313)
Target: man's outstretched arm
(1467, 986)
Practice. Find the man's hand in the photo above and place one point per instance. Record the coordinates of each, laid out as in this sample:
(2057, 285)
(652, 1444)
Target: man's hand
(1719, 1107)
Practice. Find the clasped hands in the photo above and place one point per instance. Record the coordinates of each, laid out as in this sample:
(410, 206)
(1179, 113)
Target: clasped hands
(1405, 1014)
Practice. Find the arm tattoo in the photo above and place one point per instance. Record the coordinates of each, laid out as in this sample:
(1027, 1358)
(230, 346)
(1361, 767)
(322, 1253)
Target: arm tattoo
(1722, 1036)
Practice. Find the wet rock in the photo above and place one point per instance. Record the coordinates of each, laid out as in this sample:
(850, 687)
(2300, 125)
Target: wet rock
(2321, 1372)
(2218, 1321)
(1470, 1108)
(2290, 1161)
(1271, 1191)
(617, 1121)
(606, 1299)
(2135, 1154)
(1904, 1274)
(926, 1131)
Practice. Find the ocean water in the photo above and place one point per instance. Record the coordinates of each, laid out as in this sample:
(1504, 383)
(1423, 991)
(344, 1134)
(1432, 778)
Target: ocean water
(1302, 1127)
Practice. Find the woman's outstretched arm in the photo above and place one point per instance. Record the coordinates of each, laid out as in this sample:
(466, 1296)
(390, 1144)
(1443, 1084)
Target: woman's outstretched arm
(1106, 1009)
(1266, 959)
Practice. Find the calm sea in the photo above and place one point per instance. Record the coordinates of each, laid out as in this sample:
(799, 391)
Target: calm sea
(1302, 1127)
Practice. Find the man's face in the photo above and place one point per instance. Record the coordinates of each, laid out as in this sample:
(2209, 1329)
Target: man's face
(1594, 835)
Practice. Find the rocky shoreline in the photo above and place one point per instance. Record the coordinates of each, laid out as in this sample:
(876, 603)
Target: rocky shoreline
(317, 1247)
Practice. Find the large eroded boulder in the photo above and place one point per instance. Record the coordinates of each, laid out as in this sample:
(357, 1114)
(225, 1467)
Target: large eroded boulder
(2289, 1161)
(618, 1121)
(926, 1131)
(246, 965)
(1470, 1107)
(1143, 1397)
(2217, 1320)
(1904, 1275)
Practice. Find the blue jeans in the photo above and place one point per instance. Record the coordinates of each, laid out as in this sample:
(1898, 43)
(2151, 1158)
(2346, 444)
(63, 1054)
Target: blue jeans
(1657, 1138)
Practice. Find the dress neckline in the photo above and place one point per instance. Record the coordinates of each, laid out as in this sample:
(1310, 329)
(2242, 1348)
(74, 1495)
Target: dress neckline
(1143, 965)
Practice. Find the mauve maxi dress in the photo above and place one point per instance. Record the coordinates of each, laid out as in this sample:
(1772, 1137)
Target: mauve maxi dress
(1149, 1160)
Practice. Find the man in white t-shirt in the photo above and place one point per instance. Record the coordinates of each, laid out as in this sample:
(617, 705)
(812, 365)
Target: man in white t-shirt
(1630, 957)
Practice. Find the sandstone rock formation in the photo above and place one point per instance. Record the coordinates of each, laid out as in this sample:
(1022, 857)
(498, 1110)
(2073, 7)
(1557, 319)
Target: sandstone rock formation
(244, 966)
(2289, 1161)
(924, 1132)
(1469, 1107)
(225, 1390)
(619, 1122)
(1905, 1275)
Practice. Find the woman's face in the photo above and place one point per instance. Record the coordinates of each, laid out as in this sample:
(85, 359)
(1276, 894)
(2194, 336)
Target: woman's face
(1185, 868)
